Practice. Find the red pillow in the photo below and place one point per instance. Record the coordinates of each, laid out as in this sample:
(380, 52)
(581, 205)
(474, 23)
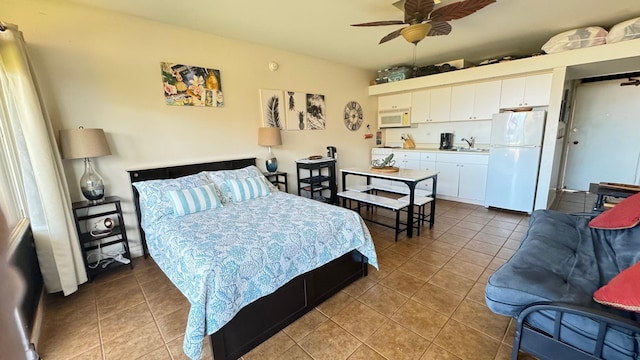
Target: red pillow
(622, 291)
(624, 215)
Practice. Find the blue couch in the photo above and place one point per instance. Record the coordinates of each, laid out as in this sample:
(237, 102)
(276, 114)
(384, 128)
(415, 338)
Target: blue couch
(548, 286)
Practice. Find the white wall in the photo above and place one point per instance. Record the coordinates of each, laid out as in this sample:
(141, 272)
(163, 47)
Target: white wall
(102, 69)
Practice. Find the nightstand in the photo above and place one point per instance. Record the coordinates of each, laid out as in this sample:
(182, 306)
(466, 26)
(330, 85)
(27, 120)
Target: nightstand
(112, 245)
(277, 178)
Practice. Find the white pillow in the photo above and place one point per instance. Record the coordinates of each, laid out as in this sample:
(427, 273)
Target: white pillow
(219, 177)
(245, 189)
(626, 30)
(576, 39)
(189, 201)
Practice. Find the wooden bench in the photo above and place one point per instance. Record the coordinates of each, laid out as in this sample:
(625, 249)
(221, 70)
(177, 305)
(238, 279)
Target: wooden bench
(377, 201)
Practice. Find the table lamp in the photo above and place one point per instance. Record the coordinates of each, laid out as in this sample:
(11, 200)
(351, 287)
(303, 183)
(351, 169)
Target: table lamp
(270, 136)
(86, 143)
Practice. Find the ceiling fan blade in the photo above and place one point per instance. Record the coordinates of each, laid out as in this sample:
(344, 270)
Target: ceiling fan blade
(439, 28)
(416, 11)
(459, 9)
(390, 36)
(380, 23)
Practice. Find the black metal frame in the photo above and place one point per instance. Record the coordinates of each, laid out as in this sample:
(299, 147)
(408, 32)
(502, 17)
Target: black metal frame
(266, 316)
(549, 346)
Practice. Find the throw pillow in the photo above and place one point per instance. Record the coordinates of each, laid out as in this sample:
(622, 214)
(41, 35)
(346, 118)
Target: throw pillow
(245, 189)
(624, 215)
(188, 201)
(622, 291)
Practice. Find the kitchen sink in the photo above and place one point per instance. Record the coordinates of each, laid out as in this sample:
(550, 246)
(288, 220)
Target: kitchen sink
(461, 149)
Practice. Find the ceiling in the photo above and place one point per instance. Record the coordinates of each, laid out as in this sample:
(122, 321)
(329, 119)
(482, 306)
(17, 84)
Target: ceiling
(321, 28)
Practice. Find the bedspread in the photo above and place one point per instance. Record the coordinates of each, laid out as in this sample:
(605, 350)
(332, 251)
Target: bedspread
(224, 259)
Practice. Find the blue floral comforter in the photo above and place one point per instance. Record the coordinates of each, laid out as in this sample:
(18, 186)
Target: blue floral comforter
(224, 259)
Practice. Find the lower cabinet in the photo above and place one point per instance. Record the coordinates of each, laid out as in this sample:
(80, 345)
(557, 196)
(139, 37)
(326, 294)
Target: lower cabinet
(462, 176)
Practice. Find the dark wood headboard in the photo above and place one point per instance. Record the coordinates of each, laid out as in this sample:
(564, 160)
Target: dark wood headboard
(172, 172)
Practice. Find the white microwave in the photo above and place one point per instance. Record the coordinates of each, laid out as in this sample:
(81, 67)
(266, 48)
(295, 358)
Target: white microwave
(394, 118)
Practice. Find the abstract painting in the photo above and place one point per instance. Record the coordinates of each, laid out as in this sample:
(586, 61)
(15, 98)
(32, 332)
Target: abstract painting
(316, 112)
(272, 108)
(186, 85)
(295, 104)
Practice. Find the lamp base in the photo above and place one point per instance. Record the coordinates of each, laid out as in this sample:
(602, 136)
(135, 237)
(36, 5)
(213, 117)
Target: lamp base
(91, 183)
(271, 162)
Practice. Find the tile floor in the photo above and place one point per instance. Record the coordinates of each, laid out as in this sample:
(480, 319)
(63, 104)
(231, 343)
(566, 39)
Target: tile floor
(426, 302)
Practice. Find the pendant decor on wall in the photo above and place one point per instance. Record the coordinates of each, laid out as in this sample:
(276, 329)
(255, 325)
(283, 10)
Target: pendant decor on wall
(186, 85)
(353, 115)
(272, 108)
(296, 110)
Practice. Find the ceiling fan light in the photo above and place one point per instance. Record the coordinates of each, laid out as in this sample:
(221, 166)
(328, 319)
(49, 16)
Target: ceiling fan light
(415, 33)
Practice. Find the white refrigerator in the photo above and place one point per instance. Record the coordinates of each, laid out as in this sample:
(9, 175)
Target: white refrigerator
(514, 160)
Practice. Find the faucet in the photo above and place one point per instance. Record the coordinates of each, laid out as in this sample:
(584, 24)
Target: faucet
(469, 141)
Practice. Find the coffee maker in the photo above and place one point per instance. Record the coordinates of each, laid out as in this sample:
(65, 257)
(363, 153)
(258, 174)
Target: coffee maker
(446, 141)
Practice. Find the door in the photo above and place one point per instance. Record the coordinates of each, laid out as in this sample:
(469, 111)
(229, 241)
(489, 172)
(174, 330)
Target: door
(486, 101)
(512, 177)
(473, 181)
(603, 141)
(518, 128)
(420, 106)
(448, 177)
(462, 100)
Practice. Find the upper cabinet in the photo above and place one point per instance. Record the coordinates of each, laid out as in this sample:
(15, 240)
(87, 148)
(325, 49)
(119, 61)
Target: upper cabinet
(526, 91)
(431, 105)
(394, 102)
(477, 101)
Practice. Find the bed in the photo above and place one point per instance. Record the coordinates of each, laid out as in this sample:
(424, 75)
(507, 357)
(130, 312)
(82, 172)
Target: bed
(250, 259)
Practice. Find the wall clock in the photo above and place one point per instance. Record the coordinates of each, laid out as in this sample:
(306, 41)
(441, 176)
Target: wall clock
(353, 115)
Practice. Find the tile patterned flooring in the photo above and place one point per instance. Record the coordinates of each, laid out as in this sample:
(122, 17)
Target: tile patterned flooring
(426, 302)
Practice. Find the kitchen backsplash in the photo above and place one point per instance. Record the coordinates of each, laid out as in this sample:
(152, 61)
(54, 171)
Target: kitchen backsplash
(428, 135)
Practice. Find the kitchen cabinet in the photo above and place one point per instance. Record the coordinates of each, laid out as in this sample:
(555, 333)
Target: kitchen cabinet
(532, 90)
(394, 102)
(407, 159)
(477, 101)
(462, 176)
(431, 105)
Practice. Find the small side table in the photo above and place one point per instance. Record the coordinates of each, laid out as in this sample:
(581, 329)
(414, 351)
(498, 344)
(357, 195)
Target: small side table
(85, 215)
(278, 178)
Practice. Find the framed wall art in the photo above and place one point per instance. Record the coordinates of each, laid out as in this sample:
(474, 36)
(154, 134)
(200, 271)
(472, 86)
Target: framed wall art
(272, 108)
(316, 112)
(187, 85)
(296, 110)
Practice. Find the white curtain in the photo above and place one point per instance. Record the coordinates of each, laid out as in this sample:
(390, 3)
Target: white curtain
(41, 173)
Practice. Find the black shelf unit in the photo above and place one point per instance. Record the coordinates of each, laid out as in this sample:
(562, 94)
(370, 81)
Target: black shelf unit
(320, 184)
(277, 178)
(85, 214)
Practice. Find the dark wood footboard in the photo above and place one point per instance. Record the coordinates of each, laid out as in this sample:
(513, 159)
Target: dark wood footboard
(266, 316)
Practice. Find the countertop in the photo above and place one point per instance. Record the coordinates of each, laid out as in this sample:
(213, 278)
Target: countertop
(480, 151)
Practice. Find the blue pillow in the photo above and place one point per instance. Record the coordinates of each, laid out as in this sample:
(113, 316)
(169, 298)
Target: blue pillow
(188, 201)
(245, 189)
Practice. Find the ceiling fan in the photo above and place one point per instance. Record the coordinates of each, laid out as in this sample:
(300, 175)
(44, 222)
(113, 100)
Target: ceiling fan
(423, 20)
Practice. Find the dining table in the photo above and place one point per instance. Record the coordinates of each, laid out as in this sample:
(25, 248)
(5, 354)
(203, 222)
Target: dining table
(410, 177)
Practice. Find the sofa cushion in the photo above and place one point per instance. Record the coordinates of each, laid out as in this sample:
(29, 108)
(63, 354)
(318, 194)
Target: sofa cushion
(624, 215)
(622, 291)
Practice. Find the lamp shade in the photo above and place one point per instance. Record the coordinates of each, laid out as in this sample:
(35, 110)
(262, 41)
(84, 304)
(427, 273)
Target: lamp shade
(269, 136)
(83, 143)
